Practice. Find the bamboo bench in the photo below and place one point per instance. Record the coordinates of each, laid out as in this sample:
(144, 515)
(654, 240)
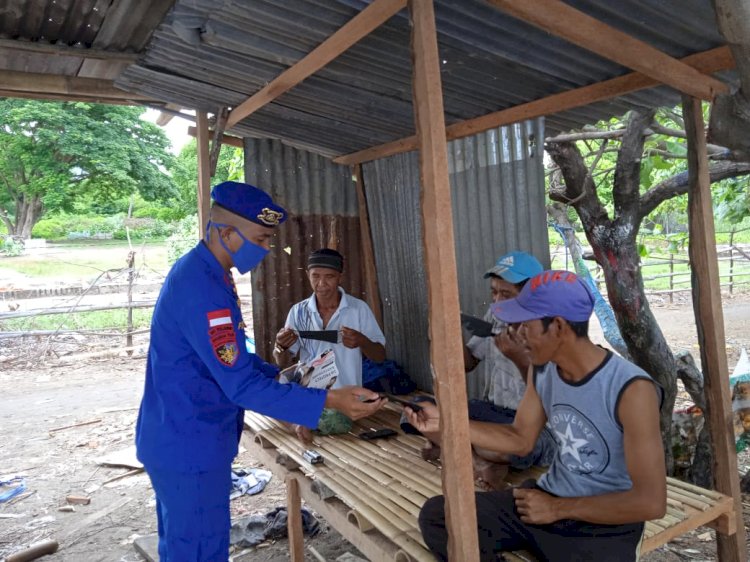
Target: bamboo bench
(372, 491)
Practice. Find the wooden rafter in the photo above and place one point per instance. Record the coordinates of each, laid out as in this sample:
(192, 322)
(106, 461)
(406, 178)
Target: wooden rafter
(225, 139)
(361, 25)
(204, 173)
(558, 18)
(714, 60)
(33, 84)
(218, 133)
(43, 48)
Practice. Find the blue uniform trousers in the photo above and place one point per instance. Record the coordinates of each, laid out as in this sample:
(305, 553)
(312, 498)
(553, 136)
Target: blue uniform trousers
(193, 514)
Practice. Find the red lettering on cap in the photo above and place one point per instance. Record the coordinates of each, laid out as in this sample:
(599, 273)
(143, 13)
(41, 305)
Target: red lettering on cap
(571, 278)
(557, 275)
(545, 280)
(536, 282)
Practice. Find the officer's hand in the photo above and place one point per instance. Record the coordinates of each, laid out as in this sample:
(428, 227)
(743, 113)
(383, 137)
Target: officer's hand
(352, 401)
(304, 434)
(285, 338)
(536, 507)
(427, 420)
(352, 338)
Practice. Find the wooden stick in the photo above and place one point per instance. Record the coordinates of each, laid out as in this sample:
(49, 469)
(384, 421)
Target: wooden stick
(204, 173)
(34, 551)
(294, 520)
(90, 422)
(125, 475)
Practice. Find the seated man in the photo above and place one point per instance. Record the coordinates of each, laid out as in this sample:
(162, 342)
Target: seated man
(608, 476)
(330, 308)
(507, 360)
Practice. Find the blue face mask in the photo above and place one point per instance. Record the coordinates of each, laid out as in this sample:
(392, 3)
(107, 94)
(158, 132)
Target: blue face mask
(247, 257)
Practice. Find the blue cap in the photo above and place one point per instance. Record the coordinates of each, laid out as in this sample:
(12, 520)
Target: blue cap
(249, 202)
(515, 267)
(549, 294)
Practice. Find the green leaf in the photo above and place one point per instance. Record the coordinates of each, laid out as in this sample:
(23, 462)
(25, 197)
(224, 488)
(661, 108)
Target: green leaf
(643, 250)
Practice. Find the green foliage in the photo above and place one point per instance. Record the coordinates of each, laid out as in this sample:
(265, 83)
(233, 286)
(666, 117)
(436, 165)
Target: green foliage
(11, 247)
(70, 154)
(185, 173)
(73, 227)
(183, 239)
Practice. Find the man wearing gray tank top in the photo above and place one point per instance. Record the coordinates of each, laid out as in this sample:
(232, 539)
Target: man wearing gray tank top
(608, 477)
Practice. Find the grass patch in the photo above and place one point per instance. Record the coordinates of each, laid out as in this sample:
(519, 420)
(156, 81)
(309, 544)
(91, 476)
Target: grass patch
(84, 261)
(104, 320)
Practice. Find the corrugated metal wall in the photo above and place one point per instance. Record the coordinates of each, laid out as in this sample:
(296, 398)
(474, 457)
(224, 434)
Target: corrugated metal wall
(322, 201)
(497, 185)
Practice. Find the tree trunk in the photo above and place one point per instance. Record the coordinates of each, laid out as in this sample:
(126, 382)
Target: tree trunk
(616, 251)
(28, 212)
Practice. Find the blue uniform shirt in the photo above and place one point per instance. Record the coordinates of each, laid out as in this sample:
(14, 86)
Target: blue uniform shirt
(199, 375)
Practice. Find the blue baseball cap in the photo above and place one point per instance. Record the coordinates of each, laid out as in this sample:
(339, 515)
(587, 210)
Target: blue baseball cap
(515, 267)
(549, 294)
(249, 202)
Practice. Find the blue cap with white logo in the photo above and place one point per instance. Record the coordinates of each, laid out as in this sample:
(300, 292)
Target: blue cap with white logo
(515, 267)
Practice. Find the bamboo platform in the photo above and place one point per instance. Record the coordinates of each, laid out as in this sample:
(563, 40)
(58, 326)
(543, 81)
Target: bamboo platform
(371, 491)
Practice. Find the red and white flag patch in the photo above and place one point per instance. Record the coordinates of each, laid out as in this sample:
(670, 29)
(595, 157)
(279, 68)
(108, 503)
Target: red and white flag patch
(222, 335)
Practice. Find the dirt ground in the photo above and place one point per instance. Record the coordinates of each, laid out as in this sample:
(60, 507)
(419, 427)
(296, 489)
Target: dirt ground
(39, 397)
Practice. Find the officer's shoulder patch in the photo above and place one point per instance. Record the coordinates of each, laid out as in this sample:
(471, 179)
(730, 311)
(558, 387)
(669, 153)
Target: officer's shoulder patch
(223, 337)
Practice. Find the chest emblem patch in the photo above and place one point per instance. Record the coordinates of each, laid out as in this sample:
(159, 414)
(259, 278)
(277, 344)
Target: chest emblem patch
(223, 337)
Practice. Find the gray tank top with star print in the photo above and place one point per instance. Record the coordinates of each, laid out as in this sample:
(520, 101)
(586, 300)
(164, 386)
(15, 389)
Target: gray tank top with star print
(583, 416)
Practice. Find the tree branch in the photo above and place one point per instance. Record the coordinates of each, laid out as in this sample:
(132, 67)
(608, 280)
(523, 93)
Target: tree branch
(627, 180)
(579, 188)
(678, 184)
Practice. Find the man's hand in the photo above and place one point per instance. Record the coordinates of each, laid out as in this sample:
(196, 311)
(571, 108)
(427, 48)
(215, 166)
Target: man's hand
(513, 346)
(535, 506)
(352, 338)
(354, 401)
(427, 420)
(285, 338)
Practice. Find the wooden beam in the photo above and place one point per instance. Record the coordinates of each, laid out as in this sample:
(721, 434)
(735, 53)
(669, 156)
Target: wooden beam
(72, 86)
(446, 353)
(170, 111)
(714, 60)
(66, 97)
(231, 141)
(361, 25)
(709, 319)
(294, 520)
(204, 175)
(60, 49)
(577, 27)
(218, 133)
(372, 291)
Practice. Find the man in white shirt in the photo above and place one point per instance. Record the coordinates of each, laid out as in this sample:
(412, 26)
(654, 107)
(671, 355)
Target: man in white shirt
(330, 308)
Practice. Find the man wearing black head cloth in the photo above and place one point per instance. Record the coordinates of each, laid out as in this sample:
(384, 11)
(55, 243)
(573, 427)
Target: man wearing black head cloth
(200, 377)
(331, 308)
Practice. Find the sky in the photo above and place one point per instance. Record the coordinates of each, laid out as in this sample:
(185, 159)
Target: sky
(176, 129)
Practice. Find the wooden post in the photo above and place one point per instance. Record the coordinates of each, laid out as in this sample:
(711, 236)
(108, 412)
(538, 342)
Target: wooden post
(710, 322)
(204, 173)
(372, 291)
(671, 278)
(294, 520)
(131, 278)
(446, 352)
(731, 261)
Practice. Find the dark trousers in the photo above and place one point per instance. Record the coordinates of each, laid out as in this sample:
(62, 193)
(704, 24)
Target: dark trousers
(501, 529)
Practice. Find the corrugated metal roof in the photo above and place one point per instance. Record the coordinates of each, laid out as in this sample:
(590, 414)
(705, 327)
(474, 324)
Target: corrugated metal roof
(322, 202)
(490, 60)
(497, 189)
(116, 25)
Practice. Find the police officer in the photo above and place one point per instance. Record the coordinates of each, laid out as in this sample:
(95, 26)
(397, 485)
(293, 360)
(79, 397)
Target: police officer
(200, 377)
